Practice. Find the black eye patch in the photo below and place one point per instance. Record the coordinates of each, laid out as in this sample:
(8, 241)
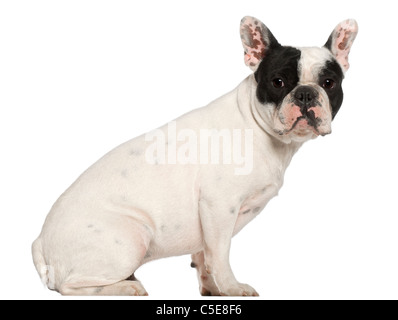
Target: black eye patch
(280, 64)
(332, 71)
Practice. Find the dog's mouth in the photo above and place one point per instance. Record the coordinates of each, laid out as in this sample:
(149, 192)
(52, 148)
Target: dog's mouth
(301, 123)
(302, 127)
(306, 123)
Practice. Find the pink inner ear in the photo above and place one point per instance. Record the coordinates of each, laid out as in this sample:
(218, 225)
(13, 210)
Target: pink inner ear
(252, 34)
(345, 35)
(344, 38)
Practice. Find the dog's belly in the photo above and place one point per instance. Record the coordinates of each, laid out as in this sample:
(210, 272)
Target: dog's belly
(177, 234)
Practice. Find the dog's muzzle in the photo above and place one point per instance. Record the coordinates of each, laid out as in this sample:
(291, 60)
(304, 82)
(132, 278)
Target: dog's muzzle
(306, 98)
(305, 111)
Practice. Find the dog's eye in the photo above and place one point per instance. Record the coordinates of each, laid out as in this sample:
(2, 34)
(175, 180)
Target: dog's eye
(278, 83)
(329, 84)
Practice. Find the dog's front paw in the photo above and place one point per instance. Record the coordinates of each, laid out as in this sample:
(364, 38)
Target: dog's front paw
(239, 289)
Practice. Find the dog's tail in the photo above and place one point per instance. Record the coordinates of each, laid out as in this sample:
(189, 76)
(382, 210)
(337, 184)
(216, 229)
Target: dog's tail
(45, 272)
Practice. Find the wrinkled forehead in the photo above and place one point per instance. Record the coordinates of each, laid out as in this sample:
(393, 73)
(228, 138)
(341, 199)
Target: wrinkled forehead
(312, 62)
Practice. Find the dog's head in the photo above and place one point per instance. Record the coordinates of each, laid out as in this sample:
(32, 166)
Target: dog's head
(299, 90)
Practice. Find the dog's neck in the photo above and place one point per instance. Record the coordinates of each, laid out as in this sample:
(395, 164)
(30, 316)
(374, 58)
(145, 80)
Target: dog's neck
(268, 143)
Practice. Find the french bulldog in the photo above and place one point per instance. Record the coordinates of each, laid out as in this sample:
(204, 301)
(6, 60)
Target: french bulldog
(168, 193)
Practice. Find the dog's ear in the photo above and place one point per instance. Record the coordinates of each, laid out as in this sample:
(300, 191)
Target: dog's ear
(257, 40)
(341, 40)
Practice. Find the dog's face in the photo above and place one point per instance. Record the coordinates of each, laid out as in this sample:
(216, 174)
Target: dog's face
(299, 90)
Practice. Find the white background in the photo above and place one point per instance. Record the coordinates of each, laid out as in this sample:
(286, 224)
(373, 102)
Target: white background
(77, 78)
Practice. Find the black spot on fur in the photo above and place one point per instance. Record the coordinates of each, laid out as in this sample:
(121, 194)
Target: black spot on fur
(256, 210)
(98, 290)
(280, 62)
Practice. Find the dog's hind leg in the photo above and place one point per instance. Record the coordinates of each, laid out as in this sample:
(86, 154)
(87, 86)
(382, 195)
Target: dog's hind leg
(100, 258)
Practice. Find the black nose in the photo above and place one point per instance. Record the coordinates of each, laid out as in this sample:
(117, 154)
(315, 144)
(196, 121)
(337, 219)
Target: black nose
(305, 96)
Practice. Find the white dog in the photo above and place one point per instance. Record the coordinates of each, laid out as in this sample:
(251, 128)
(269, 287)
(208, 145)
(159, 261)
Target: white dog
(168, 193)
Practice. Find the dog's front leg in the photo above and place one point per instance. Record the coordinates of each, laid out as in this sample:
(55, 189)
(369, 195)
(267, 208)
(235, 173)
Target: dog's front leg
(217, 226)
